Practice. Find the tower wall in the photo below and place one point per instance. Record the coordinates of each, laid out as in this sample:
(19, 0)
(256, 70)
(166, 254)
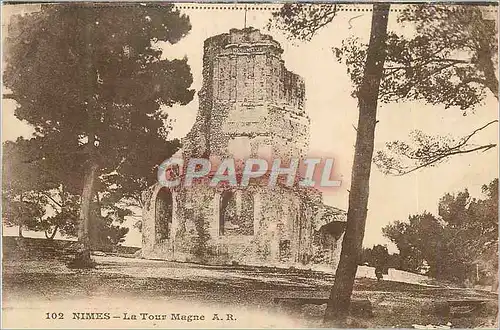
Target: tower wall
(250, 106)
(249, 102)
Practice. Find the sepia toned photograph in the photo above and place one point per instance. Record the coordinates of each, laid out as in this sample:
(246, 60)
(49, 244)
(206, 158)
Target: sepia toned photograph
(249, 165)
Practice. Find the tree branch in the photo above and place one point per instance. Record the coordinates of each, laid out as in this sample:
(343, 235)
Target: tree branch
(9, 96)
(52, 199)
(484, 148)
(427, 153)
(467, 138)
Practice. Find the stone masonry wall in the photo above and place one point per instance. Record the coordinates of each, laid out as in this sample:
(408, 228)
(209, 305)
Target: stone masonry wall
(250, 106)
(281, 221)
(248, 93)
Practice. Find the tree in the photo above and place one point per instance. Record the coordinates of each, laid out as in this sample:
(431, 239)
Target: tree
(99, 97)
(303, 24)
(23, 205)
(64, 206)
(418, 241)
(422, 67)
(103, 232)
(378, 255)
(473, 227)
(24, 211)
(487, 210)
(451, 60)
(124, 188)
(38, 196)
(340, 296)
(454, 246)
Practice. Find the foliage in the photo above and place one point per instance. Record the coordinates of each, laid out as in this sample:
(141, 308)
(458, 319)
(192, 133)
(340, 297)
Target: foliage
(35, 196)
(63, 217)
(302, 21)
(22, 202)
(124, 188)
(24, 211)
(473, 224)
(466, 234)
(105, 233)
(450, 58)
(411, 70)
(139, 172)
(340, 296)
(98, 102)
(425, 151)
(378, 256)
(105, 77)
(417, 240)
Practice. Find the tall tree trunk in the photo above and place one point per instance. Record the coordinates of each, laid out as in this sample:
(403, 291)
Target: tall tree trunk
(96, 239)
(340, 296)
(490, 79)
(20, 228)
(62, 206)
(82, 258)
(485, 54)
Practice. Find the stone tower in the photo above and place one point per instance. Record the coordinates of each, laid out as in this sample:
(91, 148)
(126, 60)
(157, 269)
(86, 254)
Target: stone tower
(250, 104)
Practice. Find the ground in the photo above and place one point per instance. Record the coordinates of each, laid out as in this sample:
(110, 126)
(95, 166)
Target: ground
(119, 285)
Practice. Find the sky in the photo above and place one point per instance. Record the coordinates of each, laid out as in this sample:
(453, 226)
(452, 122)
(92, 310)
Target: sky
(333, 114)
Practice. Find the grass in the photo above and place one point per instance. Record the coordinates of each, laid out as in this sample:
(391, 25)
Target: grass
(38, 278)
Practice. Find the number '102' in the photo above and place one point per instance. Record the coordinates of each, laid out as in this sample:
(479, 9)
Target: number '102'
(54, 316)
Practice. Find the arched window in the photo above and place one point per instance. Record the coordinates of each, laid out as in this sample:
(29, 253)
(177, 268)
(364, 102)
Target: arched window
(163, 214)
(236, 214)
(227, 210)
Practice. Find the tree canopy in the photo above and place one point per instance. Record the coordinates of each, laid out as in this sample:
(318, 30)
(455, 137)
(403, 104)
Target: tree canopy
(464, 234)
(93, 83)
(449, 59)
(105, 80)
(444, 54)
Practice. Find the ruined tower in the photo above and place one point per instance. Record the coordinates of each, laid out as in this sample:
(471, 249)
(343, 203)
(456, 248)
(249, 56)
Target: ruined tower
(250, 104)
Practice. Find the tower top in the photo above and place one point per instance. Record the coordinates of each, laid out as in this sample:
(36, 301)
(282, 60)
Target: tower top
(250, 103)
(248, 36)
